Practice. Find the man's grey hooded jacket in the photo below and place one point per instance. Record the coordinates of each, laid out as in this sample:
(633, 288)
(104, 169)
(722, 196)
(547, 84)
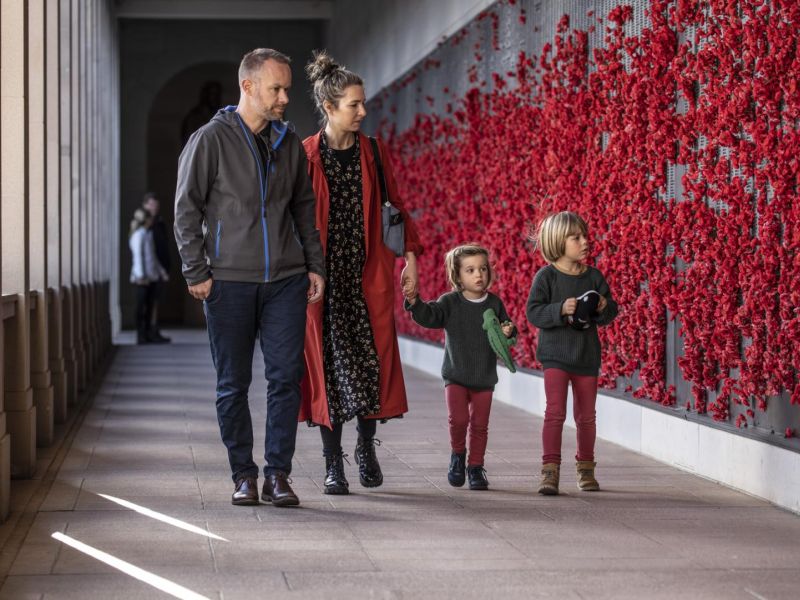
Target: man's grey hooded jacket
(236, 220)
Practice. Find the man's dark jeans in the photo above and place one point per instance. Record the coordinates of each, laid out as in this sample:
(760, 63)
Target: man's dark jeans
(275, 312)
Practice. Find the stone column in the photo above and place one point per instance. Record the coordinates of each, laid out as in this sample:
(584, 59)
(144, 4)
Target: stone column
(52, 95)
(67, 46)
(78, 190)
(37, 241)
(20, 412)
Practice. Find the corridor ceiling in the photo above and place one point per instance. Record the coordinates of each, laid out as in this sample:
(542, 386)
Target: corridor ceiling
(224, 9)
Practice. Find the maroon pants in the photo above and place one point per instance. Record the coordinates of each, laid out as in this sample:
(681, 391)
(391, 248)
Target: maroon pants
(584, 396)
(468, 410)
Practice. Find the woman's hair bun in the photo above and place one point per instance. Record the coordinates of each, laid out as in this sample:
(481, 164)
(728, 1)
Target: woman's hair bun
(321, 67)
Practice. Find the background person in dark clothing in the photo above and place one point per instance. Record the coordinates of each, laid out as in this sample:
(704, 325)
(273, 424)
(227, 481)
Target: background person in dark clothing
(160, 240)
(145, 271)
(209, 102)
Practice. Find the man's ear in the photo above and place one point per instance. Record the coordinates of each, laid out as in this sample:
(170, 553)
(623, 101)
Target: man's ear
(247, 86)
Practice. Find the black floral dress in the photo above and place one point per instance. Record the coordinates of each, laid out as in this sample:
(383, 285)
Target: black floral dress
(352, 370)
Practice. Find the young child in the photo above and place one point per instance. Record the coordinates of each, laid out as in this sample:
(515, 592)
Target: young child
(569, 348)
(470, 365)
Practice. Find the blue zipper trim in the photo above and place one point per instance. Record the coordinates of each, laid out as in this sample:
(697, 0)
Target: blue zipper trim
(219, 234)
(281, 133)
(263, 183)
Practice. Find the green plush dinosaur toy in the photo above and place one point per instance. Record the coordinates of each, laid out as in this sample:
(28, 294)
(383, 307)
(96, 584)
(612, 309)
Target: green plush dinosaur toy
(497, 339)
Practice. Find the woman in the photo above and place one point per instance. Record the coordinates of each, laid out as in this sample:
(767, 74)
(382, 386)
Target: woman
(145, 271)
(352, 360)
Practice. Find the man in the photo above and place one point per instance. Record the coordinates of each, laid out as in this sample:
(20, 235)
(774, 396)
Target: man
(160, 240)
(242, 179)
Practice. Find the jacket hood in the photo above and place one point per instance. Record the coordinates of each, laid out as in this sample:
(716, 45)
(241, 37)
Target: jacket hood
(277, 129)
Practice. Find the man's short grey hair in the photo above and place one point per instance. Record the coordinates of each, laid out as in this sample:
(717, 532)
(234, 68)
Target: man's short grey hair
(252, 61)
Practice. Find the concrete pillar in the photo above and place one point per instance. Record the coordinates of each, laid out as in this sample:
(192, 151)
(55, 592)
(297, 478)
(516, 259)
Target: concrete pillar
(58, 370)
(37, 240)
(68, 339)
(55, 345)
(5, 464)
(78, 332)
(113, 207)
(5, 438)
(76, 184)
(41, 382)
(68, 193)
(94, 116)
(20, 411)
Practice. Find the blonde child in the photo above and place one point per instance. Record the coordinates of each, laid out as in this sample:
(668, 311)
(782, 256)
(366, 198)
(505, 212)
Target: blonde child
(568, 300)
(469, 369)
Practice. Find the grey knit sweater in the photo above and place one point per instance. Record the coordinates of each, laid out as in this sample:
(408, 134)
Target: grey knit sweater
(560, 346)
(468, 358)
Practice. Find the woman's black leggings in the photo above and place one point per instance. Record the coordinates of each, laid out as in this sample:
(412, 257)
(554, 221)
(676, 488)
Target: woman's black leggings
(332, 438)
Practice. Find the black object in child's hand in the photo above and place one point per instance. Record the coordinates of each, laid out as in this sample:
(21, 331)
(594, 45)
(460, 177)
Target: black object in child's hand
(585, 311)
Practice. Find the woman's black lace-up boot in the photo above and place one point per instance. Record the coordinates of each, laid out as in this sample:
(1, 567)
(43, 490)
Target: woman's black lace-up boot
(335, 480)
(369, 471)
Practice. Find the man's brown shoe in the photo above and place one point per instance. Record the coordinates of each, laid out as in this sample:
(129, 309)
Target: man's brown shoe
(246, 492)
(278, 491)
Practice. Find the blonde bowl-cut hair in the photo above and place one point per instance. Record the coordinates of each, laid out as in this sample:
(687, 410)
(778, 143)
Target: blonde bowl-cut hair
(452, 262)
(551, 236)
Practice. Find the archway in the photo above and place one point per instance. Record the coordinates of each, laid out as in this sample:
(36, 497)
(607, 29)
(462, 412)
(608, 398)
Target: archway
(178, 108)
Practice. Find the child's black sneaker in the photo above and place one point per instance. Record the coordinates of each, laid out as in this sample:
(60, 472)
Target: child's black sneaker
(458, 463)
(477, 477)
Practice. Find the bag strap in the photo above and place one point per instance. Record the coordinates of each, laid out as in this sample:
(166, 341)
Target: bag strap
(379, 165)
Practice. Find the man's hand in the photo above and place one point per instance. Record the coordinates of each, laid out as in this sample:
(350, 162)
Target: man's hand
(316, 288)
(570, 306)
(201, 290)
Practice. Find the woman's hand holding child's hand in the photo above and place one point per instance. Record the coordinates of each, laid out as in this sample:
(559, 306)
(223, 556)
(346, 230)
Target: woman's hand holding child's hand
(409, 279)
(570, 306)
(410, 292)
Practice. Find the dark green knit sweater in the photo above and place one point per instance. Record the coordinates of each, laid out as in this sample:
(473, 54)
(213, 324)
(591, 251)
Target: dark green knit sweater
(468, 358)
(560, 346)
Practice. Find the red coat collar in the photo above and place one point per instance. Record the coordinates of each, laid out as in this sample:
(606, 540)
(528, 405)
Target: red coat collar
(312, 144)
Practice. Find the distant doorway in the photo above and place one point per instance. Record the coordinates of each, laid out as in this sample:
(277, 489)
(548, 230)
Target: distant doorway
(182, 105)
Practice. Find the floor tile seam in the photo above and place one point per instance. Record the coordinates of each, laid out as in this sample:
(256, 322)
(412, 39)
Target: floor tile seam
(196, 480)
(77, 496)
(444, 491)
(499, 537)
(214, 563)
(286, 581)
(360, 542)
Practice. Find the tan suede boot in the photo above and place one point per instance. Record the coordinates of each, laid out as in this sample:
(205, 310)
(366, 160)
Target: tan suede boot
(548, 485)
(586, 480)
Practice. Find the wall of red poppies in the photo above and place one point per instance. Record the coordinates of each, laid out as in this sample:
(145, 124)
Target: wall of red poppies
(676, 138)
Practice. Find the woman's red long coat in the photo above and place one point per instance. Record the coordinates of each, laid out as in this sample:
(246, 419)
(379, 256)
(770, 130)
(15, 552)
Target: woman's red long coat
(378, 284)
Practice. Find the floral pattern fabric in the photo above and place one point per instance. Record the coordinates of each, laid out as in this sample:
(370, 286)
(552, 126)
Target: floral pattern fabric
(352, 370)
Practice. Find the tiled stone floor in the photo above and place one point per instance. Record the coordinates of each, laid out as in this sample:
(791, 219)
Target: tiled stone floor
(151, 438)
